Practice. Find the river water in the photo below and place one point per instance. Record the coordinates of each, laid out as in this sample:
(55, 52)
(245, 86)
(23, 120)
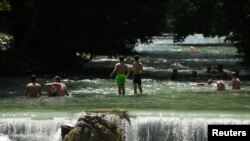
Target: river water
(168, 110)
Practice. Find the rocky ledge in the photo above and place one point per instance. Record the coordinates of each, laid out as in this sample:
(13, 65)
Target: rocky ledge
(97, 125)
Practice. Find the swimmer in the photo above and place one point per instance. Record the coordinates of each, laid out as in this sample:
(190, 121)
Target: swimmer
(174, 75)
(56, 88)
(235, 81)
(220, 83)
(33, 89)
(192, 48)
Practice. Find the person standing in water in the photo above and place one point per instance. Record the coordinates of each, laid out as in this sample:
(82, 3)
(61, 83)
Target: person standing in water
(174, 75)
(33, 89)
(120, 69)
(56, 88)
(220, 83)
(235, 81)
(137, 71)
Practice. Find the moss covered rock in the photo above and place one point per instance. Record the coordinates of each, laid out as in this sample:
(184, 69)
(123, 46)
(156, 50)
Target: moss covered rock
(98, 125)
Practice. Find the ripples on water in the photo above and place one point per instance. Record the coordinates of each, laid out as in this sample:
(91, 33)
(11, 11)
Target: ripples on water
(165, 104)
(159, 60)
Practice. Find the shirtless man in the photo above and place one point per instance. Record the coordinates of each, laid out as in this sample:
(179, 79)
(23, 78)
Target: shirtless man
(120, 69)
(220, 83)
(33, 89)
(235, 81)
(56, 88)
(137, 70)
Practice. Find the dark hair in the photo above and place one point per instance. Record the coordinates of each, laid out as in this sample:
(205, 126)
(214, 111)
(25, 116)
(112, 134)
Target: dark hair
(174, 74)
(175, 71)
(33, 78)
(218, 76)
(194, 73)
(220, 67)
(136, 57)
(57, 78)
(234, 74)
(121, 58)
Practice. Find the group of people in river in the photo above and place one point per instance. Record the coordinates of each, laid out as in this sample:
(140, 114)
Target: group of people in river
(55, 88)
(122, 71)
(217, 78)
(221, 83)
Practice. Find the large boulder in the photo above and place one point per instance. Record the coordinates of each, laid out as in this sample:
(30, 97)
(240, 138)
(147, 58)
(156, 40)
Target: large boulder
(97, 125)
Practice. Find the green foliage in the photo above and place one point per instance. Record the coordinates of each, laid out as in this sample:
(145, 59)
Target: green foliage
(4, 5)
(60, 28)
(214, 18)
(91, 26)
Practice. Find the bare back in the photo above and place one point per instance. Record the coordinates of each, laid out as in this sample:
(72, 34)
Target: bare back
(33, 90)
(220, 85)
(121, 68)
(61, 88)
(236, 83)
(57, 87)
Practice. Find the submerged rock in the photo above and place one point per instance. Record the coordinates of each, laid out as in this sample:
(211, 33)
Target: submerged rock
(97, 125)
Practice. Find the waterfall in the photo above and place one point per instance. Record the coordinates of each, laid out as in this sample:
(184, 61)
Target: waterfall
(141, 128)
(23, 129)
(174, 128)
(4, 138)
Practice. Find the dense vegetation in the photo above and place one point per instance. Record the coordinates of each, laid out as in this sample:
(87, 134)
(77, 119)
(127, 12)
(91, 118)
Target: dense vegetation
(56, 30)
(51, 32)
(228, 18)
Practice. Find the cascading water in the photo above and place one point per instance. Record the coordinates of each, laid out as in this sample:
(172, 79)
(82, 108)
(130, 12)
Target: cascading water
(166, 111)
(175, 128)
(26, 129)
(4, 138)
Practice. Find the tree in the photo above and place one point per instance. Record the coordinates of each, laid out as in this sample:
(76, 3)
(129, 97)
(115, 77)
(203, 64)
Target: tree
(4, 10)
(214, 18)
(60, 28)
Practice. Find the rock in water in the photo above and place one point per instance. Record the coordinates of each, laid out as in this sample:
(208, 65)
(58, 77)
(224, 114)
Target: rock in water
(97, 125)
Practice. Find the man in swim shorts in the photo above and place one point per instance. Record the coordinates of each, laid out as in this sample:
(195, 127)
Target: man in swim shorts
(137, 70)
(120, 69)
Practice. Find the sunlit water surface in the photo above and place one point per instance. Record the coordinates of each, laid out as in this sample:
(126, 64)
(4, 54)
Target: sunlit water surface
(167, 110)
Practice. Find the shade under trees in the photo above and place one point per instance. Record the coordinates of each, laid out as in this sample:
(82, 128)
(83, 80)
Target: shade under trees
(52, 30)
(227, 18)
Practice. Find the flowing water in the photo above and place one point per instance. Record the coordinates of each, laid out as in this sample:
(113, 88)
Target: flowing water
(166, 111)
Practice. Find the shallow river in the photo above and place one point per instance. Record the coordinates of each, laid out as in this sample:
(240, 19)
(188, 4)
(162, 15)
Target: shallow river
(167, 109)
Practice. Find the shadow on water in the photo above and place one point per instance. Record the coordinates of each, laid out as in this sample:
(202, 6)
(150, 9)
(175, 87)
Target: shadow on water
(180, 108)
